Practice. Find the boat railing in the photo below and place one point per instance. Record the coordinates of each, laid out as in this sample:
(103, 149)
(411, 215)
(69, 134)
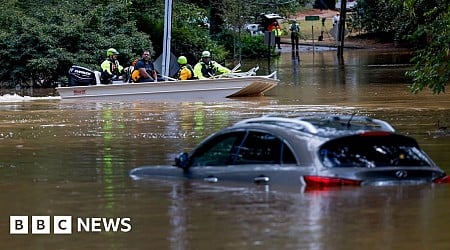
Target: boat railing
(273, 75)
(234, 74)
(98, 75)
(251, 72)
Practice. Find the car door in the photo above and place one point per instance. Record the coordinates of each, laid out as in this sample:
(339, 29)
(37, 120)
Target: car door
(213, 156)
(246, 156)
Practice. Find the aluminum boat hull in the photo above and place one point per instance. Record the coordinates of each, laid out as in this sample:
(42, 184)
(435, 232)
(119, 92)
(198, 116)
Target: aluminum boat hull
(244, 86)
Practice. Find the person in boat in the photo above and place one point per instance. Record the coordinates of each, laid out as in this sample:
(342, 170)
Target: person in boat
(144, 70)
(207, 68)
(186, 72)
(111, 68)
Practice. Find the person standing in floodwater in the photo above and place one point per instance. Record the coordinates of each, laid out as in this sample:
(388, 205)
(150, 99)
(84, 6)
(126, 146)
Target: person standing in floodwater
(295, 33)
(336, 19)
(278, 33)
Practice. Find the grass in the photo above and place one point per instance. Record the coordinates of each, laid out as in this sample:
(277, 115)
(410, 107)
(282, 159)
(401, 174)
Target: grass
(307, 28)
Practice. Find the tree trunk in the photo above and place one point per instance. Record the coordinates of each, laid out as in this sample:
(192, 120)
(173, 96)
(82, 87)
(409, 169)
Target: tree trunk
(216, 17)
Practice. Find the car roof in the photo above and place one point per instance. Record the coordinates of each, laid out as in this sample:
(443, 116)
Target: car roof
(272, 16)
(329, 126)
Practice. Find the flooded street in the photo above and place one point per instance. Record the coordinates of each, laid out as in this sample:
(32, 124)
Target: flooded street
(71, 158)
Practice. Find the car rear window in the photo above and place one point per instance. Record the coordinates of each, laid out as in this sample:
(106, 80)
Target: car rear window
(370, 151)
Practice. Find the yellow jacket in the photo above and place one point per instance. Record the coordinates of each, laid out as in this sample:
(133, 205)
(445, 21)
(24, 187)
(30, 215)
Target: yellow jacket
(112, 67)
(204, 70)
(278, 32)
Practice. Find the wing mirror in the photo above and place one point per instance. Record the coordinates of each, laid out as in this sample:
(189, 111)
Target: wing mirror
(182, 160)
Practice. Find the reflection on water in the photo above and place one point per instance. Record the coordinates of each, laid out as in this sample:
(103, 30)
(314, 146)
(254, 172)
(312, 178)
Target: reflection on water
(73, 158)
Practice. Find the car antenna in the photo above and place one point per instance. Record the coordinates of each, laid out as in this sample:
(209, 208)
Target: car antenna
(350, 119)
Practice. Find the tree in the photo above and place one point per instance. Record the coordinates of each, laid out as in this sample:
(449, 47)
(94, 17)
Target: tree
(423, 24)
(431, 61)
(384, 19)
(190, 33)
(39, 42)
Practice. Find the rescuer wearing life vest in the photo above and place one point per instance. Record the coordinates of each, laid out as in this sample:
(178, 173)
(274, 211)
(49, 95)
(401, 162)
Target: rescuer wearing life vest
(186, 72)
(111, 68)
(207, 68)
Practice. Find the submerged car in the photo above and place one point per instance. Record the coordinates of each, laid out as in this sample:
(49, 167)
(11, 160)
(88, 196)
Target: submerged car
(316, 151)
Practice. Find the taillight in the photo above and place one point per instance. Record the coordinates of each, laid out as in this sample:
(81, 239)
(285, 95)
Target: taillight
(376, 133)
(321, 181)
(443, 179)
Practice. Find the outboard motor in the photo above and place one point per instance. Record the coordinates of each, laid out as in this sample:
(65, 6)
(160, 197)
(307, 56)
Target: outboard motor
(80, 76)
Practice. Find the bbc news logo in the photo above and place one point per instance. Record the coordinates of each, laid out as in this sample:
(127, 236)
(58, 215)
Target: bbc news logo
(66, 224)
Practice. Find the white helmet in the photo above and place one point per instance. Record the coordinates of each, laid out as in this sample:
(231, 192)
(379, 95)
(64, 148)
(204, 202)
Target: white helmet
(206, 54)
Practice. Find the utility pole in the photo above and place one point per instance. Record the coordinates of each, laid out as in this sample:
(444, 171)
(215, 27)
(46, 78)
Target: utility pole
(341, 28)
(167, 37)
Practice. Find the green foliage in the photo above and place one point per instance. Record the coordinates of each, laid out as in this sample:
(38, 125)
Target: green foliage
(245, 44)
(292, 7)
(253, 46)
(431, 62)
(188, 37)
(424, 24)
(394, 19)
(384, 17)
(40, 42)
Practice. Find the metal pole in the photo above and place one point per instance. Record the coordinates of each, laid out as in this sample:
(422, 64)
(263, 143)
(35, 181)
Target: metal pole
(268, 50)
(341, 27)
(167, 37)
(312, 35)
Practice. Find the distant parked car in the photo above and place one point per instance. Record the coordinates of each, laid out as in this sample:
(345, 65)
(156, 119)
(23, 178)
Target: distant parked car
(267, 20)
(351, 5)
(316, 151)
(254, 29)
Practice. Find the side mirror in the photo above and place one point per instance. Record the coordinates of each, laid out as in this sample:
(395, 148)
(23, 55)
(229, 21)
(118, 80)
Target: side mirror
(182, 160)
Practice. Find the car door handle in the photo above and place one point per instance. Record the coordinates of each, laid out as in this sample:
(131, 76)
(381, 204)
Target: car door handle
(261, 179)
(211, 179)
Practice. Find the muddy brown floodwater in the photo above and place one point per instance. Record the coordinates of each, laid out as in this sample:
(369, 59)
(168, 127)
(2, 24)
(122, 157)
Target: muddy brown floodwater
(60, 158)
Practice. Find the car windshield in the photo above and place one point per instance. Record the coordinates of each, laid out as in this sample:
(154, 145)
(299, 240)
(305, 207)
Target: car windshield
(373, 151)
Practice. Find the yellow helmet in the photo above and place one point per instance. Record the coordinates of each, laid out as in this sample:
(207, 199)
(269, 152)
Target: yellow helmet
(182, 60)
(111, 51)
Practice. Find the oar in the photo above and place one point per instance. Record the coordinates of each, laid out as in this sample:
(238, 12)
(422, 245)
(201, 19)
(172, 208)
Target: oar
(168, 78)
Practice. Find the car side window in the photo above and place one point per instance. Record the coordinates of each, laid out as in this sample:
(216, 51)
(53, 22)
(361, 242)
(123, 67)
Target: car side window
(262, 148)
(218, 150)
